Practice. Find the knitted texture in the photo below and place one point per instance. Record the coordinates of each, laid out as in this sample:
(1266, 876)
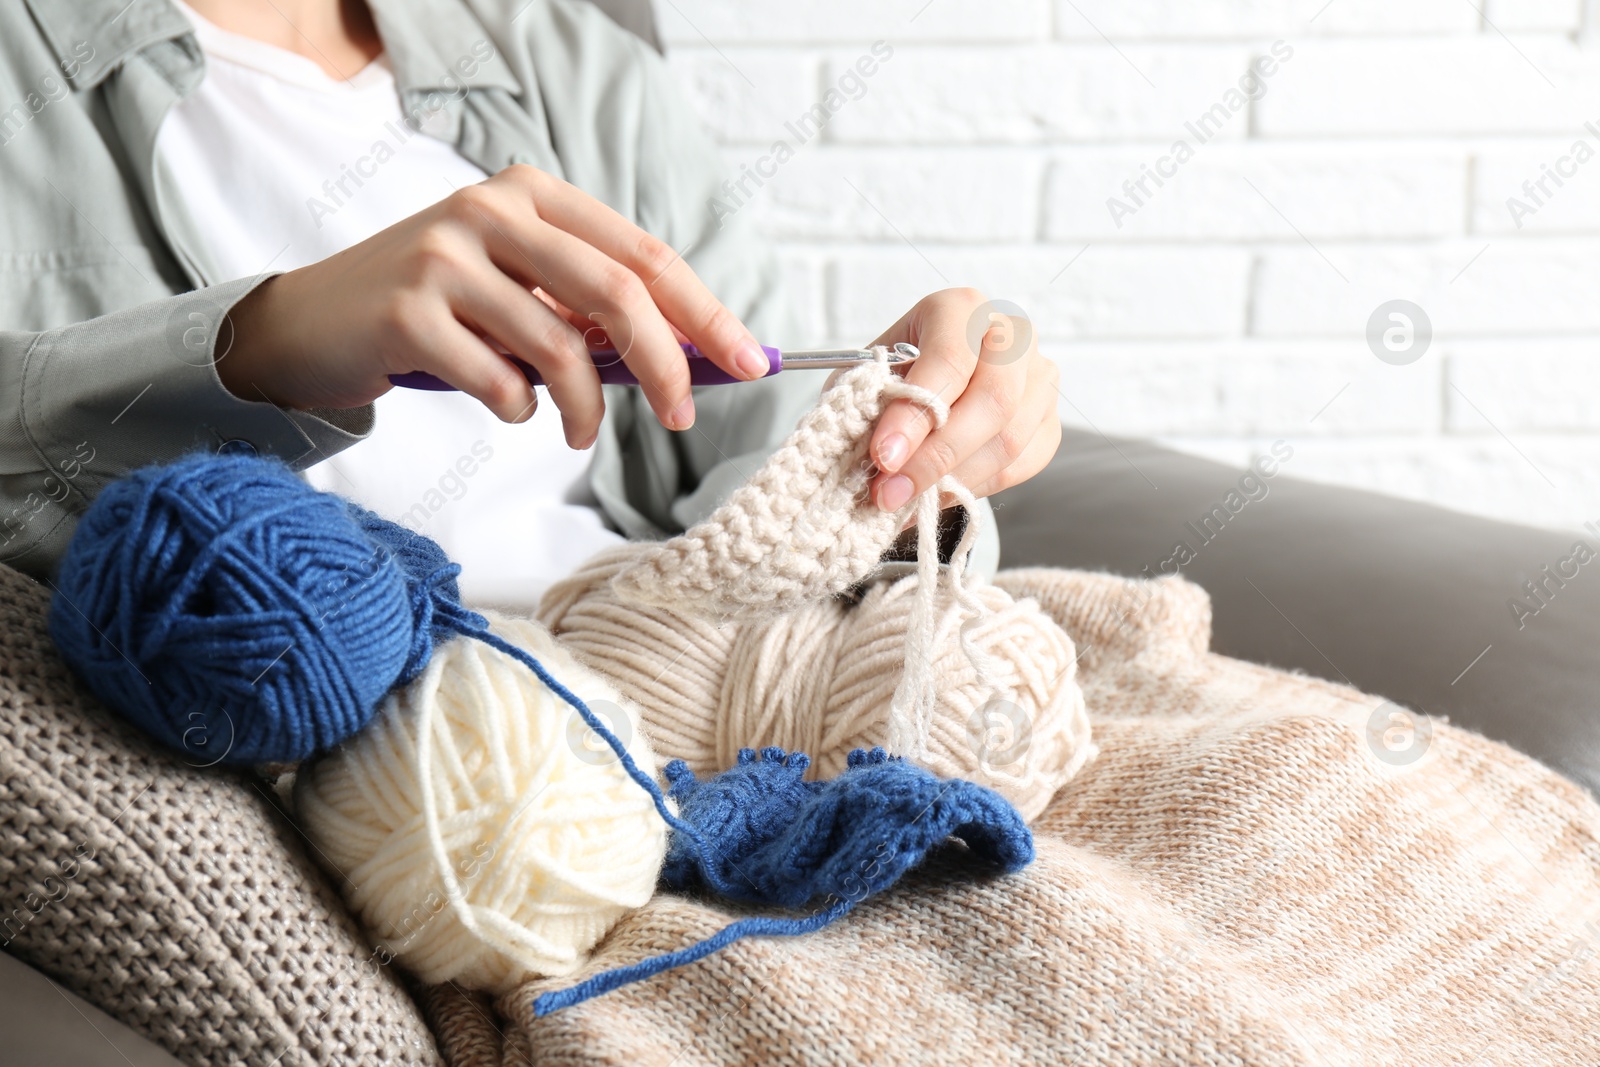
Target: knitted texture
(1238, 878)
(174, 896)
(743, 614)
(784, 840)
(801, 528)
(480, 839)
(820, 679)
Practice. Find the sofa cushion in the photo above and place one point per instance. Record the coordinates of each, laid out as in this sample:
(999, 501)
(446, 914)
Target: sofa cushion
(45, 1025)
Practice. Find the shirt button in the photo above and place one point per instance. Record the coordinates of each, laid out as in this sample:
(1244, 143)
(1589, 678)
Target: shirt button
(238, 446)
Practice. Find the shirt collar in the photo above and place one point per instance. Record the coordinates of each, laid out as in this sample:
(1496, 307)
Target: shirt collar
(91, 37)
(432, 44)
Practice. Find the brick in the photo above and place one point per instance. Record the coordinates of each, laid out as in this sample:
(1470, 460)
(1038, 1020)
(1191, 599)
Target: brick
(803, 290)
(1109, 292)
(1565, 16)
(848, 21)
(1243, 388)
(1372, 190)
(1522, 385)
(1571, 207)
(1469, 85)
(1481, 476)
(1244, 19)
(782, 84)
(1041, 93)
(1525, 288)
(849, 194)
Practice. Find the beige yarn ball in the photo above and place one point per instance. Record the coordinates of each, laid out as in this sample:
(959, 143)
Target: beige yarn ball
(481, 831)
(820, 678)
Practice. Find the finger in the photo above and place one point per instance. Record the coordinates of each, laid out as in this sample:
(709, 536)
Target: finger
(683, 298)
(613, 298)
(1008, 457)
(594, 334)
(539, 255)
(986, 410)
(974, 420)
(535, 333)
(1040, 451)
(453, 353)
(939, 327)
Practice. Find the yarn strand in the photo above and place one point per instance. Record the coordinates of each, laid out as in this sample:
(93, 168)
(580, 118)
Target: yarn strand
(755, 926)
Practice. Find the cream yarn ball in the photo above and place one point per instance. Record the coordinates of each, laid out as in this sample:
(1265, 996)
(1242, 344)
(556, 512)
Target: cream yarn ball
(481, 831)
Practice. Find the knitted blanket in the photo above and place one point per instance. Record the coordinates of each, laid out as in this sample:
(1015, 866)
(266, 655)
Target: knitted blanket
(1258, 868)
(173, 895)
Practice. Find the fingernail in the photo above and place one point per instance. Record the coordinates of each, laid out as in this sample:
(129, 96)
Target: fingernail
(892, 452)
(894, 493)
(682, 416)
(752, 361)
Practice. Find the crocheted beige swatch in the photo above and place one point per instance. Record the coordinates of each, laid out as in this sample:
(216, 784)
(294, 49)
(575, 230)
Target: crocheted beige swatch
(904, 670)
(801, 528)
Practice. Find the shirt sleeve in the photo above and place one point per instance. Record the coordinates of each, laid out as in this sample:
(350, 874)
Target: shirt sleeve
(81, 405)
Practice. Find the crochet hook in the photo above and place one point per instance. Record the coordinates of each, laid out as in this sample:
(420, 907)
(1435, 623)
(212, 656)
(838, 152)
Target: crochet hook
(613, 371)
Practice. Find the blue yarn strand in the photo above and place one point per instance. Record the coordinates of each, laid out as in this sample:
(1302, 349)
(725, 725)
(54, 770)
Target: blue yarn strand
(594, 723)
(755, 926)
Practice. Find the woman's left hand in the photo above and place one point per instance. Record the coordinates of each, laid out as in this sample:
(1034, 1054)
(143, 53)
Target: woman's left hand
(1003, 427)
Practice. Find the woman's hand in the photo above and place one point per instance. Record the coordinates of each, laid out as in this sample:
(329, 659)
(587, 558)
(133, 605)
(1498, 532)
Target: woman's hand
(435, 292)
(1003, 426)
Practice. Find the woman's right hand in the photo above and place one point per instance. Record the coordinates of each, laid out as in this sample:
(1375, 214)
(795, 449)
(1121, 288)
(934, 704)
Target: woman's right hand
(435, 292)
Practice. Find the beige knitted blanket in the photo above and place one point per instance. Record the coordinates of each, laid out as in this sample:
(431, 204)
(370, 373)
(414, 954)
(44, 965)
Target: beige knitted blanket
(1258, 868)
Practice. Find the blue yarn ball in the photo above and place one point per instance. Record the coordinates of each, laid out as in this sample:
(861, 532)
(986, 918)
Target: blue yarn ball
(435, 593)
(235, 613)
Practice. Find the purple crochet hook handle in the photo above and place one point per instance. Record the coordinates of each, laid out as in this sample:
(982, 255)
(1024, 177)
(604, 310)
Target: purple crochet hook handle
(612, 371)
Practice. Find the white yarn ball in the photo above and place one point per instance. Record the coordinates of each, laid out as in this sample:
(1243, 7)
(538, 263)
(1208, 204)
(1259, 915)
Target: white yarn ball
(481, 831)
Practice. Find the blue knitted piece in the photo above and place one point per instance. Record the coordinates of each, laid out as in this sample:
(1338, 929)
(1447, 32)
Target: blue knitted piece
(771, 837)
(759, 832)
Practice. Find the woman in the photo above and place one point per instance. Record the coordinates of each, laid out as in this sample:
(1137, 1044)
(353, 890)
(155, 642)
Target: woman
(227, 223)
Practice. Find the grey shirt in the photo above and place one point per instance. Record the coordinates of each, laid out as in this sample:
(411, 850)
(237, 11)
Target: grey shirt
(111, 319)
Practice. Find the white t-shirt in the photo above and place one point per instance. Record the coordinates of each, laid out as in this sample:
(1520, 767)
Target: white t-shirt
(281, 165)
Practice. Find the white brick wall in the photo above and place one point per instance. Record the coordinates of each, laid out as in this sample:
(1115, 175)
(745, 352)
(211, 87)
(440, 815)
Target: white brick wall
(1230, 306)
